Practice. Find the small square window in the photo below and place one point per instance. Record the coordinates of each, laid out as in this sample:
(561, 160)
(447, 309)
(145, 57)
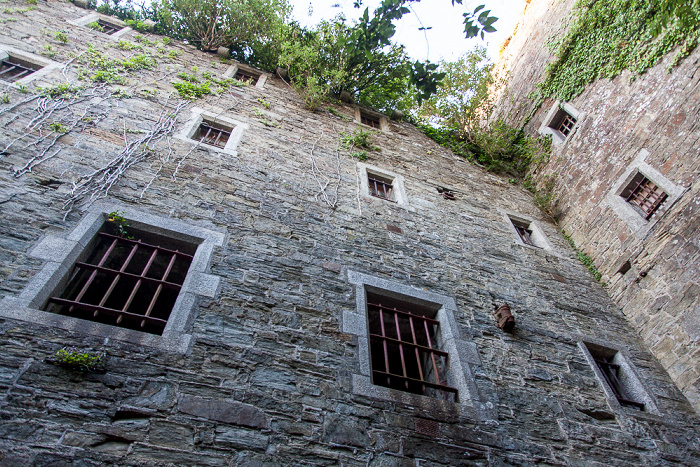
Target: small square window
(617, 376)
(560, 121)
(106, 27)
(127, 281)
(213, 134)
(370, 120)
(524, 232)
(246, 76)
(405, 348)
(13, 69)
(528, 232)
(381, 187)
(644, 194)
(566, 124)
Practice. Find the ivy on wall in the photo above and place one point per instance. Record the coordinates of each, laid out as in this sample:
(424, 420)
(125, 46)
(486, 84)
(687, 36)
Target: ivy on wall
(609, 36)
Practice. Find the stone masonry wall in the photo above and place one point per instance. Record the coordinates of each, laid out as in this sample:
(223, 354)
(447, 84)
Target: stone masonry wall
(656, 112)
(268, 377)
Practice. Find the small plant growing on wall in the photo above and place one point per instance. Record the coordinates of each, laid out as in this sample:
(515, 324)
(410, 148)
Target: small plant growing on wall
(61, 37)
(117, 219)
(80, 360)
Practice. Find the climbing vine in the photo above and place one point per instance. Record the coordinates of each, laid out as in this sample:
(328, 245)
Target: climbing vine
(609, 36)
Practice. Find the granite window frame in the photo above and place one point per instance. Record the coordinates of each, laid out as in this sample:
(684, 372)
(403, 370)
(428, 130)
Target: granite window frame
(554, 117)
(538, 237)
(84, 21)
(43, 65)
(383, 121)
(261, 77)
(462, 353)
(198, 116)
(633, 384)
(59, 253)
(397, 183)
(631, 215)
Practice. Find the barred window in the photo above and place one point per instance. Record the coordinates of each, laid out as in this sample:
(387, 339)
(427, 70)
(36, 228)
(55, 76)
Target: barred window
(524, 231)
(566, 124)
(107, 28)
(381, 187)
(405, 348)
(247, 76)
(370, 120)
(644, 194)
(211, 133)
(13, 69)
(617, 376)
(128, 278)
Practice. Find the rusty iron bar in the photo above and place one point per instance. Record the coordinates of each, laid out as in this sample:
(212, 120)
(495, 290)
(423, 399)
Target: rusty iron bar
(115, 281)
(398, 334)
(135, 290)
(107, 28)
(386, 350)
(647, 196)
(94, 272)
(88, 307)
(418, 362)
(170, 285)
(160, 288)
(408, 314)
(427, 383)
(439, 353)
(567, 124)
(161, 249)
(432, 354)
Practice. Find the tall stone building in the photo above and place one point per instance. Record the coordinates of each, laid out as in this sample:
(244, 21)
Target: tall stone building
(626, 170)
(261, 297)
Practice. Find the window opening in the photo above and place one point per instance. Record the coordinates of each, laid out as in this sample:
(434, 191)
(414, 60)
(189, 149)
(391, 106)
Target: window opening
(447, 194)
(11, 70)
(566, 124)
(370, 120)
(380, 187)
(107, 28)
(404, 349)
(209, 133)
(626, 266)
(242, 75)
(524, 231)
(644, 194)
(611, 373)
(126, 282)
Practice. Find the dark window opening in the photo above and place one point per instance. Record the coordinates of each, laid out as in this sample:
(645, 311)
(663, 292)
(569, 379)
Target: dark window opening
(246, 76)
(127, 282)
(107, 28)
(210, 133)
(563, 122)
(447, 194)
(613, 375)
(13, 69)
(370, 120)
(405, 348)
(524, 231)
(380, 187)
(644, 195)
(625, 267)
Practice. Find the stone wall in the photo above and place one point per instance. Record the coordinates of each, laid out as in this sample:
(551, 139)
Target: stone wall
(648, 119)
(269, 376)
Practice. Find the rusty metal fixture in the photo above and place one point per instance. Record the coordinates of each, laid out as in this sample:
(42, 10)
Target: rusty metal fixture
(504, 318)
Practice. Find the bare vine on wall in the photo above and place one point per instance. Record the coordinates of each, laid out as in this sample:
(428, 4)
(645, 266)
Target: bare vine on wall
(326, 194)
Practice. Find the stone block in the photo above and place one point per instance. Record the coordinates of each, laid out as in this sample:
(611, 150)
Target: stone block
(236, 413)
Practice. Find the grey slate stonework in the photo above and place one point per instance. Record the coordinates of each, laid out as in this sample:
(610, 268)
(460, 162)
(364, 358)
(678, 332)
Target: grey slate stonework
(268, 376)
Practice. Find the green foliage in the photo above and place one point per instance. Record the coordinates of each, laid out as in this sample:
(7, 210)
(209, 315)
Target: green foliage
(32, 2)
(264, 103)
(358, 139)
(61, 37)
(192, 88)
(79, 360)
(192, 91)
(609, 36)
(138, 25)
(121, 94)
(585, 259)
(188, 78)
(116, 218)
(126, 45)
(57, 127)
(60, 91)
(22, 88)
(48, 51)
(543, 192)
(5, 98)
(102, 69)
(361, 155)
(96, 26)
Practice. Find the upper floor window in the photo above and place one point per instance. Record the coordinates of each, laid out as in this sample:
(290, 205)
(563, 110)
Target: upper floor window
(560, 121)
(105, 27)
(13, 69)
(211, 133)
(380, 187)
(566, 124)
(370, 120)
(528, 231)
(524, 232)
(248, 76)
(405, 347)
(644, 194)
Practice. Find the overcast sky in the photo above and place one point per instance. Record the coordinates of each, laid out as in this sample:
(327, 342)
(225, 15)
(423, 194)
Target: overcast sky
(445, 39)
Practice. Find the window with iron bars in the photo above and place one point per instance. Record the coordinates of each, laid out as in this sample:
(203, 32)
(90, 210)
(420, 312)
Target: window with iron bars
(380, 187)
(370, 120)
(566, 124)
(108, 28)
(247, 76)
(524, 231)
(127, 281)
(613, 375)
(13, 70)
(210, 133)
(405, 348)
(644, 195)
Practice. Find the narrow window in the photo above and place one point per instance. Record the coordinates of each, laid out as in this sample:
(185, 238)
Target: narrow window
(524, 231)
(566, 124)
(616, 375)
(644, 195)
(107, 28)
(405, 348)
(246, 76)
(13, 69)
(370, 120)
(380, 187)
(215, 135)
(131, 281)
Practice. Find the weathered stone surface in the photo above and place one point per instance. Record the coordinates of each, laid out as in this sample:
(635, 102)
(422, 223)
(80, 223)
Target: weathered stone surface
(222, 411)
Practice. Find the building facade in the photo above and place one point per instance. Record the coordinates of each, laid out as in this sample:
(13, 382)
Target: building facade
(626, 174)
(218, 281)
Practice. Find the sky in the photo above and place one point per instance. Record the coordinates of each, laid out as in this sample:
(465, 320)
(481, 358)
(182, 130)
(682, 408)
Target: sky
(446, 38)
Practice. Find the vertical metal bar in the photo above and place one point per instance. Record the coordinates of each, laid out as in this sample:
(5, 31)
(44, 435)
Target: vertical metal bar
(432, 355)
(403, 359)
(218, 135)
(386, 350)
(94, 273)
(137, 285)
(115, 281)
(9, 68)
(205, 138)
(159, 289)
(418, 362)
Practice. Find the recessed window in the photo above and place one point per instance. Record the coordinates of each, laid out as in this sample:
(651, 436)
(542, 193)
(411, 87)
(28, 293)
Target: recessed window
(131, 281)
(370, 120)
(110, 26)
(566, 124)
(13, 69)
(405, 347)
(246, 76)
(105, 27)
(381, 187)
(618, 377)
(527, 231)
(560, 121)
(210, 133)
(644, 194)
(524, 232)
(446, 193)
